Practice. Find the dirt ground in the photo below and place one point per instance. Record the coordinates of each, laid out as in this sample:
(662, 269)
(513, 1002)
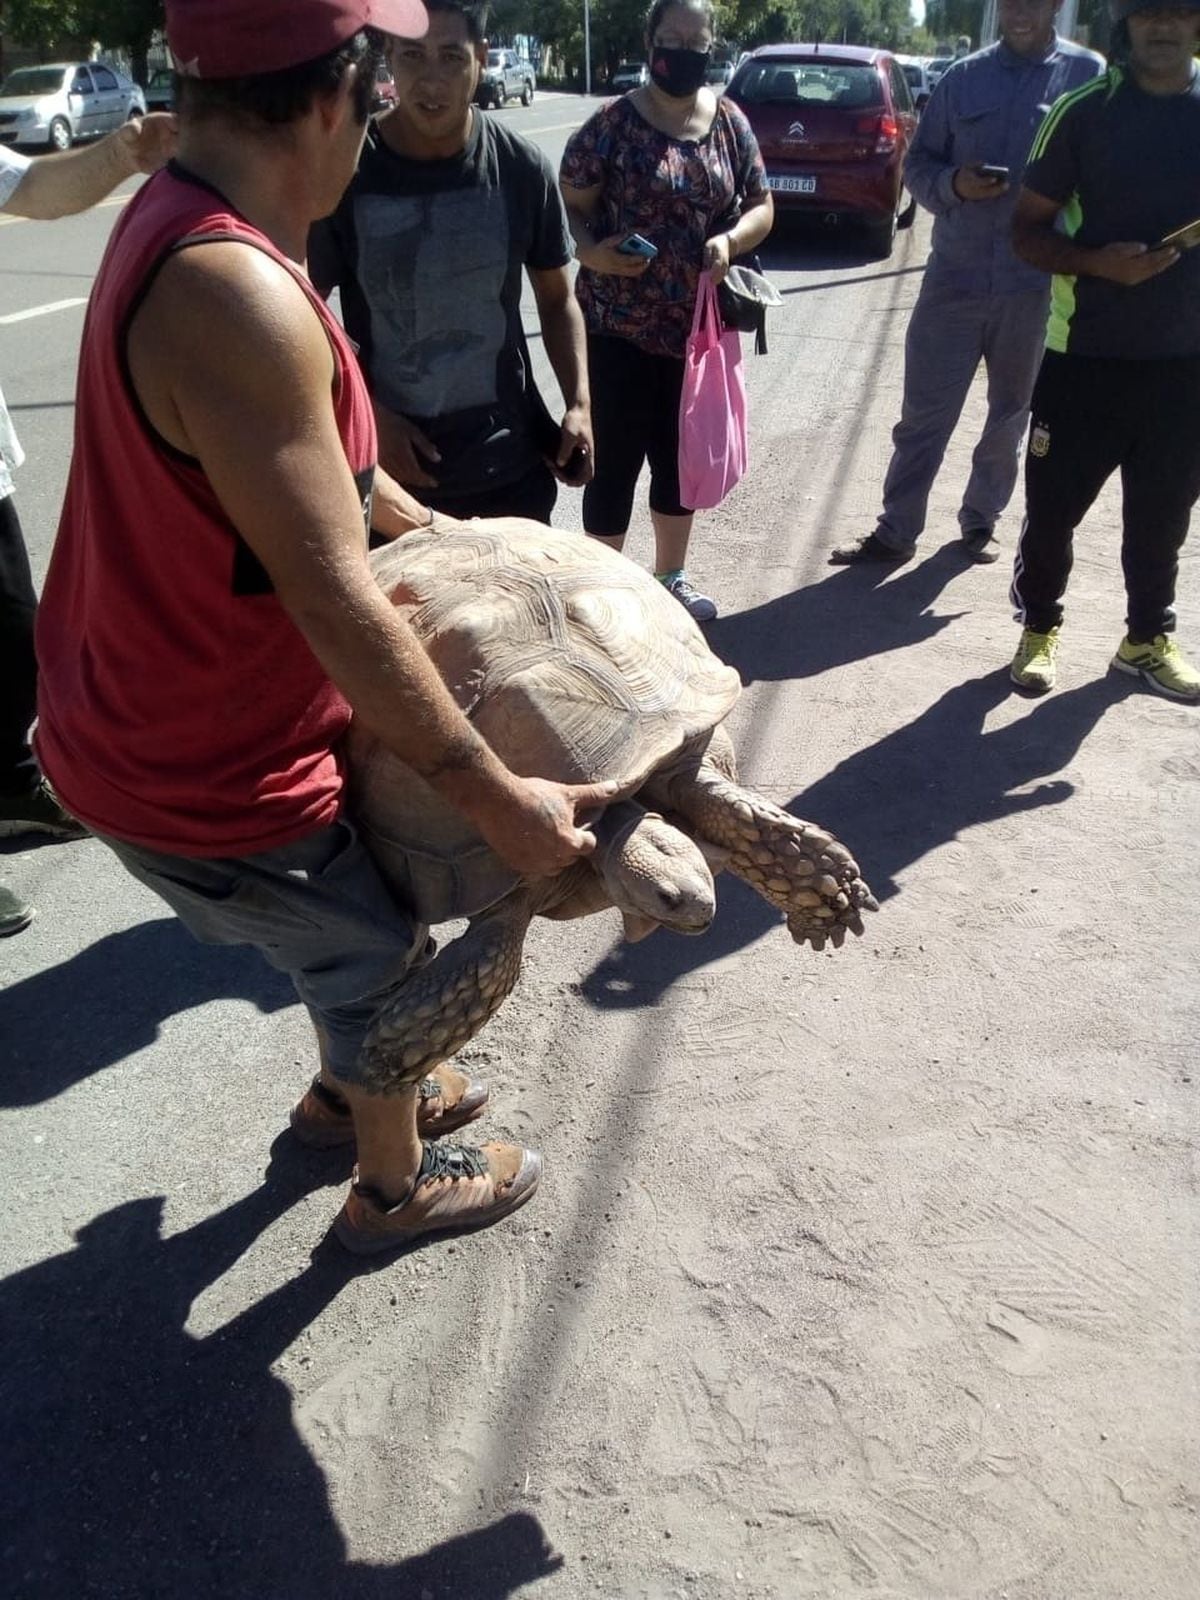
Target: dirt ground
(870, 1273)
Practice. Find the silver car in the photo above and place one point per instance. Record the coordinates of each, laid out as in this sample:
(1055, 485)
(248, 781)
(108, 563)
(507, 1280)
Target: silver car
(56, 104)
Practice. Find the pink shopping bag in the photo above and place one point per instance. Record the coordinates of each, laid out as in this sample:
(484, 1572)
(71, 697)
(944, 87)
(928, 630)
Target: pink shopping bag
(712, 408)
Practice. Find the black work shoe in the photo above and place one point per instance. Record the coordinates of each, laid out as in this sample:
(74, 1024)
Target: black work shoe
(37, 811)
(14, 913)
(869, 548)
(981, 544)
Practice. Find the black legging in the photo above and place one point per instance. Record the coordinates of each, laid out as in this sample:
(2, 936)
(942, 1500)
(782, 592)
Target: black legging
(18, 666)
(635, 417)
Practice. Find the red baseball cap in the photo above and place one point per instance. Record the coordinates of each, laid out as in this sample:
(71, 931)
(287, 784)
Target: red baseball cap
(241, 38)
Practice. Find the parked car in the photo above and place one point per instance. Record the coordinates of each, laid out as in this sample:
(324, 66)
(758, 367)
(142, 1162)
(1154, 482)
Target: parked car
(630, 75)
(718, 73)
(834, 124)
(506, 77)
(160, 91)
(917, 73)
(937, 66)
(56, 104)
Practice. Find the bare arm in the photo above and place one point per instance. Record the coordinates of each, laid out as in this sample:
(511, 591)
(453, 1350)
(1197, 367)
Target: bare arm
(1036, 241)
(59, 186)
(599, 255)
(232, 365)
(394, 512)
(751, 228)
(566, 344)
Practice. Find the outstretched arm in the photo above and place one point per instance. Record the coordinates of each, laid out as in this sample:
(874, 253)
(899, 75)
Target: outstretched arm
(59, 186)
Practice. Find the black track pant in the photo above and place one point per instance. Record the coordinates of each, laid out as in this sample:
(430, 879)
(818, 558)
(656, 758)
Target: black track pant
(1089, 418)
(18, 667)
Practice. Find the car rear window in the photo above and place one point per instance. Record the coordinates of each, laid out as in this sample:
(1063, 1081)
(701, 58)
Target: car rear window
(798, 83)
(33, 80)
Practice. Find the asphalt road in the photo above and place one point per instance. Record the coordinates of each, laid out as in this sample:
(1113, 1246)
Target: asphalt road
(863, 1273)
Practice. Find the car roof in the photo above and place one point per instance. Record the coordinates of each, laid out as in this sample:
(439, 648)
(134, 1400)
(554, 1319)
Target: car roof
(836, 54)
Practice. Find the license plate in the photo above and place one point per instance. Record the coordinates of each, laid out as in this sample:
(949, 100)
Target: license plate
(789, 185)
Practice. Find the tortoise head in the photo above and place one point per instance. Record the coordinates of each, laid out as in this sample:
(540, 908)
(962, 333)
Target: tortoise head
(657, 875)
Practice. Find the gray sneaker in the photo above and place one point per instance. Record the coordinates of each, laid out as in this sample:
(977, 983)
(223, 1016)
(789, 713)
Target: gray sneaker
(14, 913)
(37, 811)
(698, 606)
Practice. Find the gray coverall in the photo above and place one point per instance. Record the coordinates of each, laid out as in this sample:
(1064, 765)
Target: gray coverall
(978, 301)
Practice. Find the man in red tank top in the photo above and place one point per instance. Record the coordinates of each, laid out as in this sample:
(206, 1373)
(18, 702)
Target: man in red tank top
(209, 620)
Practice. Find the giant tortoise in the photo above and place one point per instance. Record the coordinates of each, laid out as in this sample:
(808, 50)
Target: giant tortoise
(576, 665)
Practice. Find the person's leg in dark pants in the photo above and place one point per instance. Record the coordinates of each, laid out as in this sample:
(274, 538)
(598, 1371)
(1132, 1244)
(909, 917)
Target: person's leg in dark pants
(1077, 435)
(18, 666)
(622, 416)
(1160, 479)
(1161, 482)
(672, 520)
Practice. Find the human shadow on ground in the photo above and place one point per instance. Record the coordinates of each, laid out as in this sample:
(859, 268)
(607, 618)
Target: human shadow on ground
(849, 616)
(95, 1009)
(928, 783)
(140, 1460)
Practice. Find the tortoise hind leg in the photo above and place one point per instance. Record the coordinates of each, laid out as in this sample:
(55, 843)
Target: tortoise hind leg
(442, 1006)
(797, 866)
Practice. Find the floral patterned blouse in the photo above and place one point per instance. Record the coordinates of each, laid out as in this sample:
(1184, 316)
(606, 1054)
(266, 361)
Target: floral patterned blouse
(672, 191)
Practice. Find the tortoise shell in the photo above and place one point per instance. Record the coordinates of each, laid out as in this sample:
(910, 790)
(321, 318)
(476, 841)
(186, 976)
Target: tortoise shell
(570, 660)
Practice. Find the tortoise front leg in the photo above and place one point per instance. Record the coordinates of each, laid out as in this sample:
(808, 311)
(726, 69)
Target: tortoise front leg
(442, 1006)
(797, 866)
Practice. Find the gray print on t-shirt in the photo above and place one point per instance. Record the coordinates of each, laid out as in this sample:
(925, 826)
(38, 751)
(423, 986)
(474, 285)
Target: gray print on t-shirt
(431, 267)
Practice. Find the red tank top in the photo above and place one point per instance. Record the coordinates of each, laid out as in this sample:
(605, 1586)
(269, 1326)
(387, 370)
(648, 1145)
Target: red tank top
(179, 707)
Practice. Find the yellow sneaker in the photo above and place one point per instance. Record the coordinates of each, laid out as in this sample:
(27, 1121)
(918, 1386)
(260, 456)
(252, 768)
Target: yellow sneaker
(1161, 665)
(1033, 665)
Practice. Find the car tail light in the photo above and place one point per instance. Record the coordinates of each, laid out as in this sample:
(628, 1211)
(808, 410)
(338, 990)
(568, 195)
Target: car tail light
(884, 130)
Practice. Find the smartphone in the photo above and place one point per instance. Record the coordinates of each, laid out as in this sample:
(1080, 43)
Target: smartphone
(1185, 238)
(634, 245)
(988, 169)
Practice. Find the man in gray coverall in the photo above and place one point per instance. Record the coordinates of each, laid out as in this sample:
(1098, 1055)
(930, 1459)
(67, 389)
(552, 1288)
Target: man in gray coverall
(978, 301)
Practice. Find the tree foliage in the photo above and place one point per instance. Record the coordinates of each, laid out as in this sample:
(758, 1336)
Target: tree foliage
(57, 26)
(618, 26)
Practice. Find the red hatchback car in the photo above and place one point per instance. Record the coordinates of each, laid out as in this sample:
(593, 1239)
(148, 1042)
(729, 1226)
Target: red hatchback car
(834, 124)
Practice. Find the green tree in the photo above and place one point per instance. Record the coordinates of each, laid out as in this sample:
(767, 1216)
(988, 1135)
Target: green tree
(128, 25)
(44, 25)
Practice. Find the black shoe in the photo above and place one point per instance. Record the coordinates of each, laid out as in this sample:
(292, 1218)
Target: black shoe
(37, 812)
(14, 913)
(870, 548)
(981, 544)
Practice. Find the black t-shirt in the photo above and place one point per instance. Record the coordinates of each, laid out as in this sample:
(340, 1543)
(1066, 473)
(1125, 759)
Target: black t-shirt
(1125, 165)
(429, 256)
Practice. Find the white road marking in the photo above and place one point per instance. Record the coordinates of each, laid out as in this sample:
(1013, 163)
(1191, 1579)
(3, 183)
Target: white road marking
(557, 127)
(40, 311)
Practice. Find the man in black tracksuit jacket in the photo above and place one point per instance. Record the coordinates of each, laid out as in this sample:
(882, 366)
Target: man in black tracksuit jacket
(1117, 165)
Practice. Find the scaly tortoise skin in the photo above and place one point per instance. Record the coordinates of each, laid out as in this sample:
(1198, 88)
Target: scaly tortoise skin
(576, 665)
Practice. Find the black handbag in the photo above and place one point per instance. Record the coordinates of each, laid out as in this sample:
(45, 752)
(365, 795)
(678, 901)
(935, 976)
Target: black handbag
(743, 298)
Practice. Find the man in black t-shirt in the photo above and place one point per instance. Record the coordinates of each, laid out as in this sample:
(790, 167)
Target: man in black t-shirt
(1116, 166)
(448, 209)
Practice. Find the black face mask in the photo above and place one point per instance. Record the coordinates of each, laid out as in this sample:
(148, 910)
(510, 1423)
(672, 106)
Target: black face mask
(678, 72)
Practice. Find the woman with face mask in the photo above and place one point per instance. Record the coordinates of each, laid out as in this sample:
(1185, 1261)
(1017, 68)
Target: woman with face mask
(679, 168)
